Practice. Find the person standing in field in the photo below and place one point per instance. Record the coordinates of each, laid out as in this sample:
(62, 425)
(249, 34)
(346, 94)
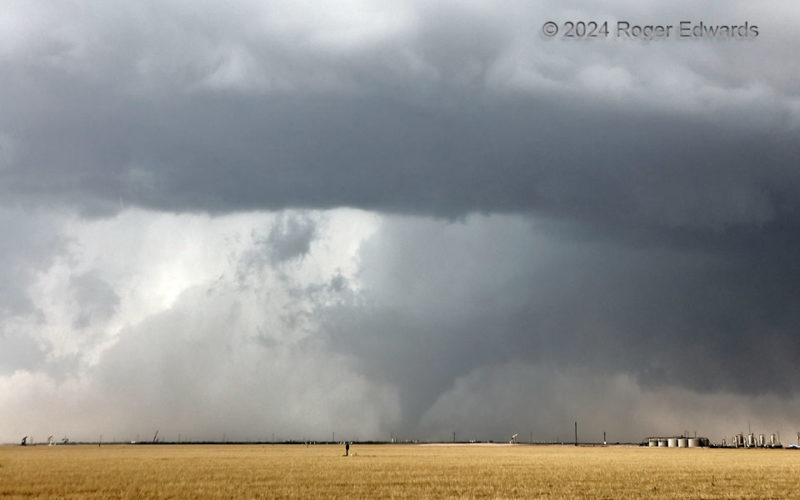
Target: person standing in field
(346, 449)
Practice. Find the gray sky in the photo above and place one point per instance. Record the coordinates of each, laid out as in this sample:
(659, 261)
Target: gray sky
(396, 219)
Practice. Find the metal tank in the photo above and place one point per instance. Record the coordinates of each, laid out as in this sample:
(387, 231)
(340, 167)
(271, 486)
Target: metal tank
(662, 443)
(693, 442)
(683, 442)
(652, 442)
(672, 442)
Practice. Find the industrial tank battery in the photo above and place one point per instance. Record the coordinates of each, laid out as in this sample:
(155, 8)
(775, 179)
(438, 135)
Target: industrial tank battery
(739, 441)
(751, 440)
(773, 440)
(762, 441)
(678, 442)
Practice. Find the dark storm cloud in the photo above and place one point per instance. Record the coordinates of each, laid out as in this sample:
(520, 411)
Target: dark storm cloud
(492, 154)
(424, 119)
(641, 205)
(496, 291)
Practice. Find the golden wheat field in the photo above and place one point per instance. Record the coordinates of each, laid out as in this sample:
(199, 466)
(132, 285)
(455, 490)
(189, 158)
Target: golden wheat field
(384, 471)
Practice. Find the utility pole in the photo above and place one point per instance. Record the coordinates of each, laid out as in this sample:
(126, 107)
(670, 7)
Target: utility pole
(454, 436)
(576, 433)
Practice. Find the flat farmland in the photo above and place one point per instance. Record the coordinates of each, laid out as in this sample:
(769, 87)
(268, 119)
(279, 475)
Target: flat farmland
(384, 471)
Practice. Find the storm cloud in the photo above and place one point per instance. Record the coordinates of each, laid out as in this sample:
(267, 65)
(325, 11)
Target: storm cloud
(395, 219)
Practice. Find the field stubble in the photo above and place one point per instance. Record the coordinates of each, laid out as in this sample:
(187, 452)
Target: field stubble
(385, 471)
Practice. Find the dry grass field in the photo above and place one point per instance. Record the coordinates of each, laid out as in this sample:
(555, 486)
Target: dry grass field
(383, 471)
